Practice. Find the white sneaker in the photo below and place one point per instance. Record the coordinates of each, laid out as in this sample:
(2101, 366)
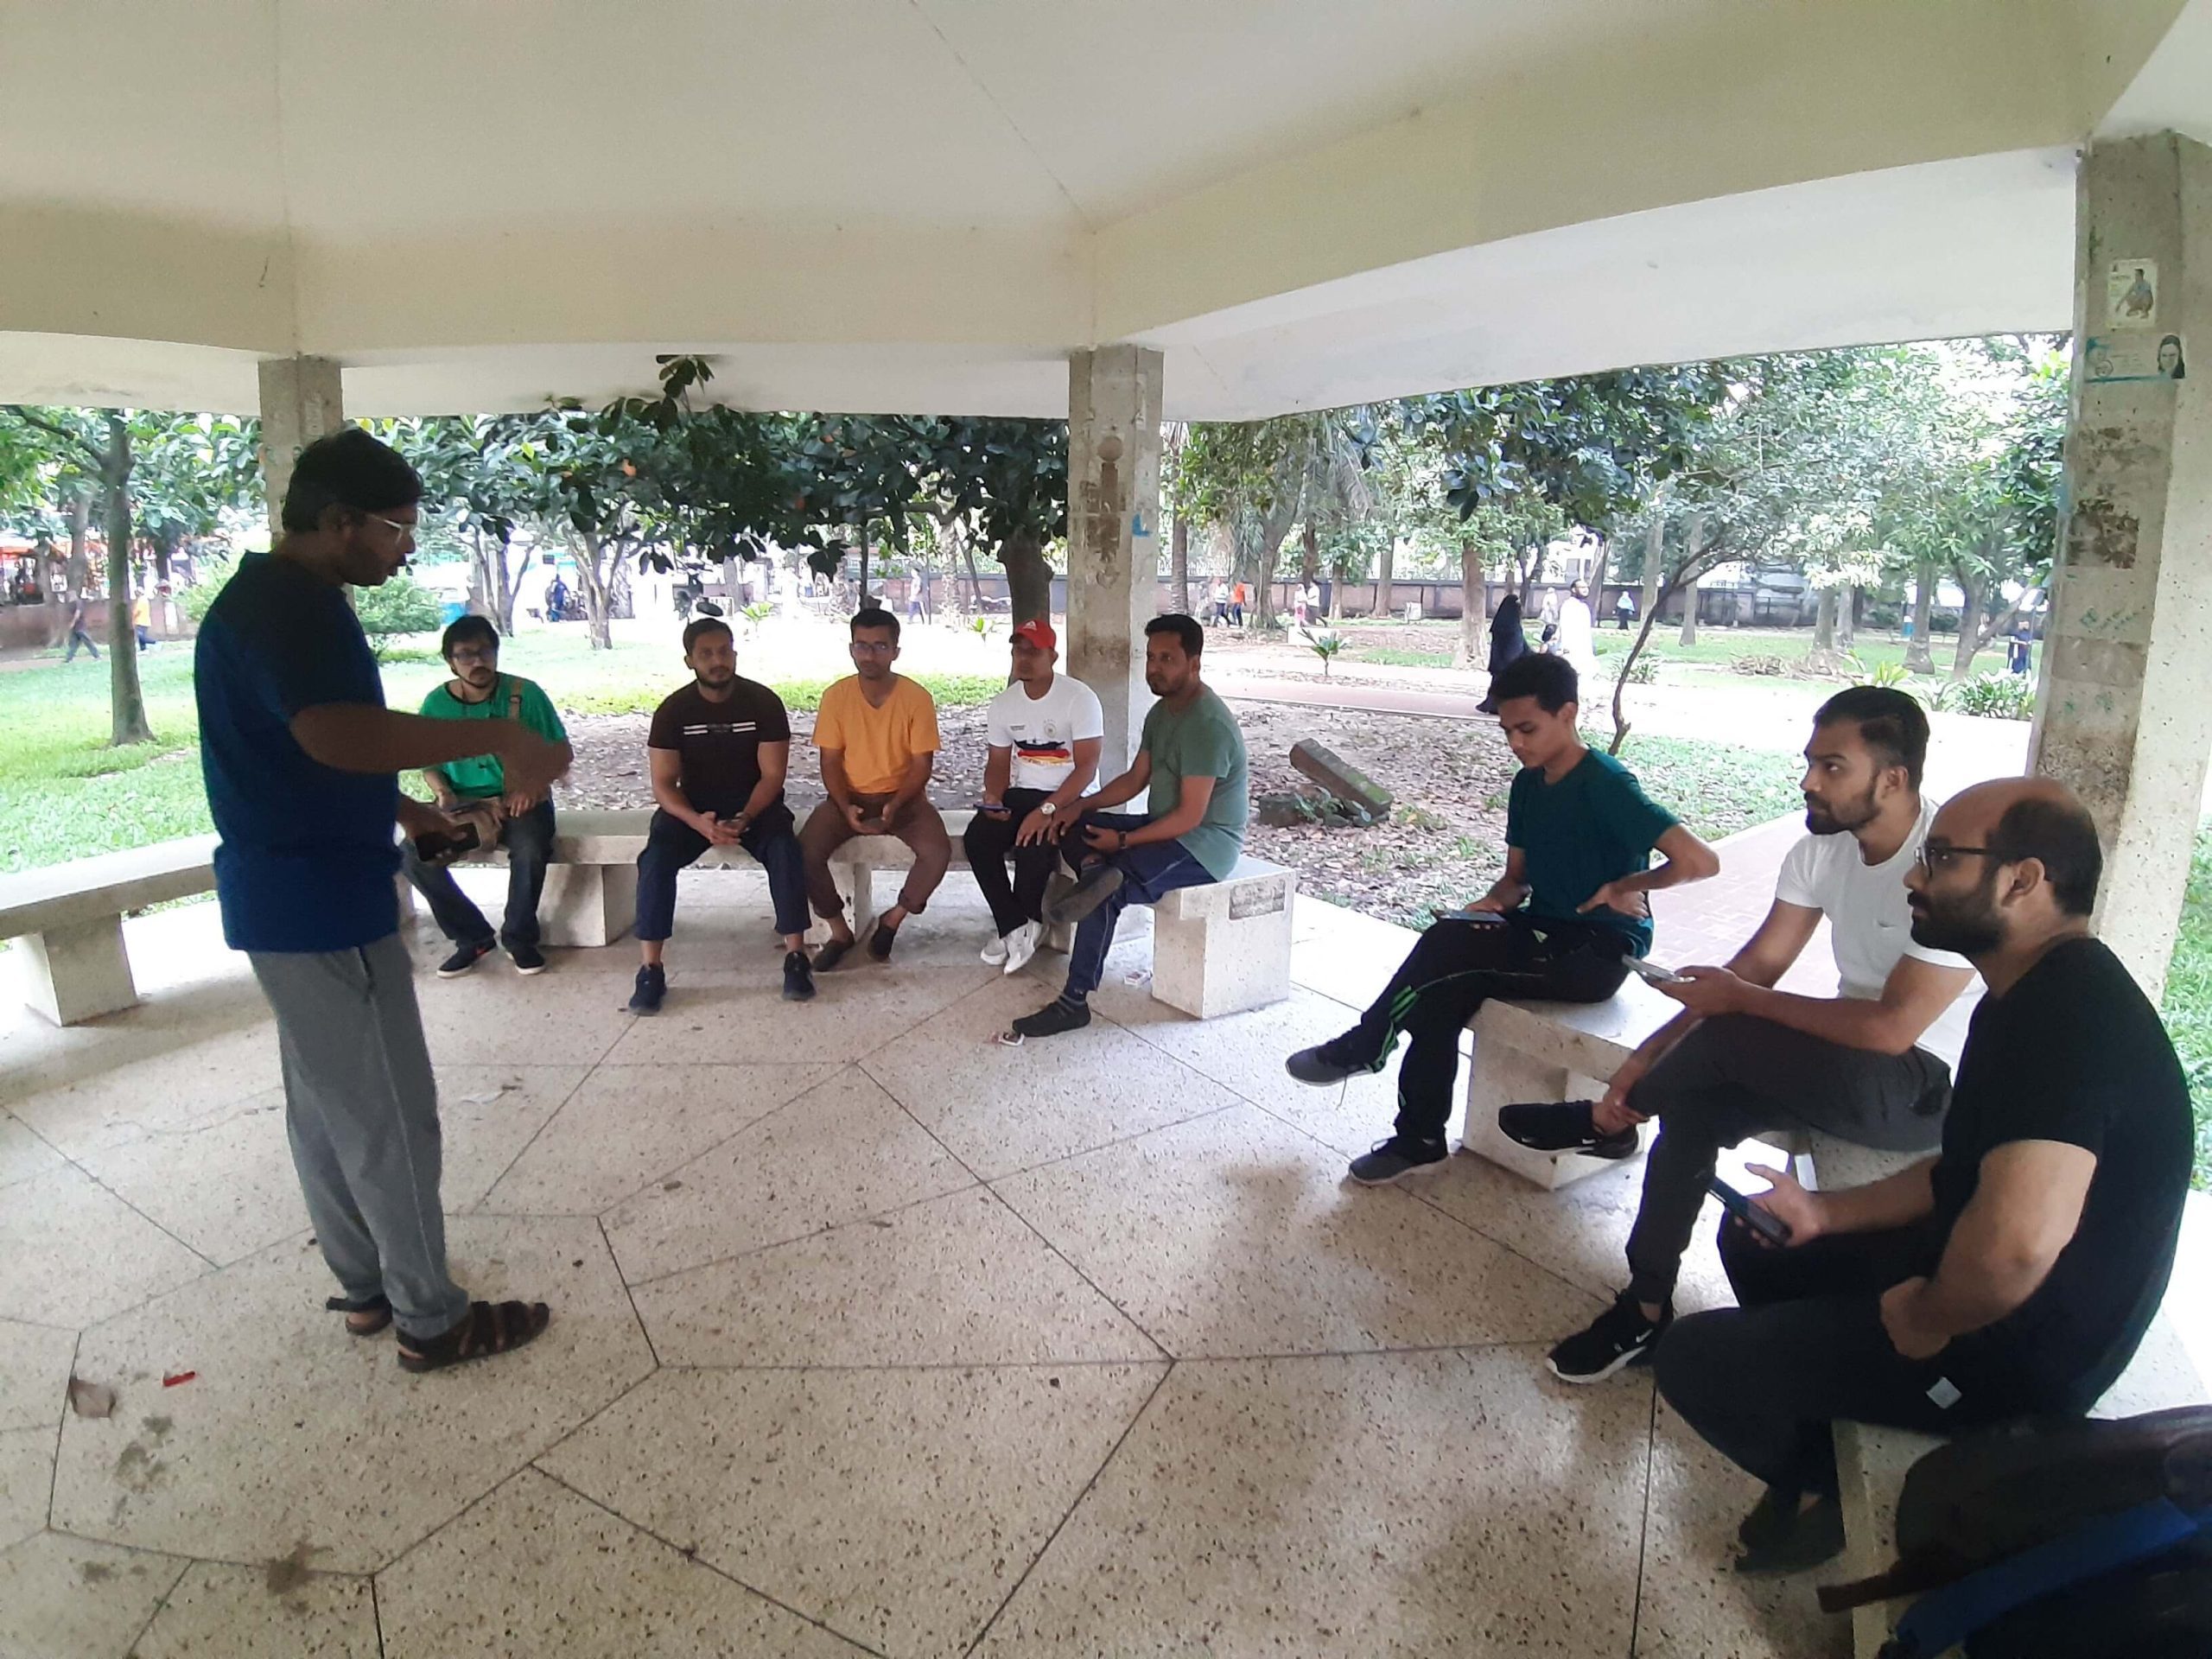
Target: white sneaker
(995, 950)
(1020, 945)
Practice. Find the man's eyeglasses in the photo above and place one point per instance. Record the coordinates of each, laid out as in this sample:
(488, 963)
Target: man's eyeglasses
(401, 533)
(474, 654)
(1935, 856)
(874, 647)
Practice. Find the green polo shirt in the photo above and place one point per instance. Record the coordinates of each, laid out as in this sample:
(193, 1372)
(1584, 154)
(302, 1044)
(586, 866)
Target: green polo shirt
(481, 777)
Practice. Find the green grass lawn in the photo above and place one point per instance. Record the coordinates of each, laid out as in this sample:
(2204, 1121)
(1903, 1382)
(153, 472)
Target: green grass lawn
(1715, 788)
(1717, 647)
(2188, 1009)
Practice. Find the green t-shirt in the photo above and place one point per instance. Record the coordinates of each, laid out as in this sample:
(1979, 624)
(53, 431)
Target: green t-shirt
(1201, 741)
(1593, 826)
(481, 777)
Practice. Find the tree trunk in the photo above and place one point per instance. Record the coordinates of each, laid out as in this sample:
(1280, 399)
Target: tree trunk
(974, 582)
(592, 577)
(1919, 653)
(1655, 559)
(1179, 565)
(1824, 624)
(1847, 619)
(503, 586)
(1028, 579)
(126, 701)
(1692, 544)
(1309, 568)
(865, 599)
(732, 588)
(1599, 562)
(1969, 627)
(1386, 575)
(81, 563)
(1473, 624)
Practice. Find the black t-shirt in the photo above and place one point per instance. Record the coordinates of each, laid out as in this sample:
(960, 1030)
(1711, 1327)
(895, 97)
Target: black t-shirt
(721, 741)
(2075, 1052)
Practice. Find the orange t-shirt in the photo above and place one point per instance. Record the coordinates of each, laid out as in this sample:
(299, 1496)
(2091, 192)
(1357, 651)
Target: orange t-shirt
(1239, 594)
(877, 743)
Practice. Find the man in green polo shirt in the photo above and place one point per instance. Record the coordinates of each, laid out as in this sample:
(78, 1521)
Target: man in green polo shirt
(474, 791)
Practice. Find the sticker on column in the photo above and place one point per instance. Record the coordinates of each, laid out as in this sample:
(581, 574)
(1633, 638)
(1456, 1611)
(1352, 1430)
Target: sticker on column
(2132, 294)
(2110, 358)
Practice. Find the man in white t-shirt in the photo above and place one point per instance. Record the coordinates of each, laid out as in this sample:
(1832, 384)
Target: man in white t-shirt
(1045, 732)
(1743, 1058)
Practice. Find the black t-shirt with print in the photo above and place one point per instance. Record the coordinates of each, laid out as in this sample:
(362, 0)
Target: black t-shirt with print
(2075, 1052)
(720, 742)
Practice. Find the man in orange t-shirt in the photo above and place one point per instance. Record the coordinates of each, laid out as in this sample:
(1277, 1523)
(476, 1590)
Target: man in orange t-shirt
(877, 735)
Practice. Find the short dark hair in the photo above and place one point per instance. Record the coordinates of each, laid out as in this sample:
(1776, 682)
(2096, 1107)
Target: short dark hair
(462, 629)
(1550, 680)
(1188, 634)
(1891, 723)
(699, 625)
(2062, 837)
(350, 469)
(874, 616)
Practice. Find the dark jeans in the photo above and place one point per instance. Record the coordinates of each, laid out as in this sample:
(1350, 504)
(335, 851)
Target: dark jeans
(1765, 1382)
(79, 637)
(1453, 969)
(528, 841)
(670, 844)
(1149, 874)
(989, 843)
(1735, 1077)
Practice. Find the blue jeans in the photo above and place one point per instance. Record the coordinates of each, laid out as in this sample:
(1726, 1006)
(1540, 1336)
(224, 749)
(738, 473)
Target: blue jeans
(1149, 874)
(670, 844)
(528, 841)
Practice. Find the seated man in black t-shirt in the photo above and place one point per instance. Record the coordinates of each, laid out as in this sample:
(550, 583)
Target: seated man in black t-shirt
(2016, 1271)
(719, 749)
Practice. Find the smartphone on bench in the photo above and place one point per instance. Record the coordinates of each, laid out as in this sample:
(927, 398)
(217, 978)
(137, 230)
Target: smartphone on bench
(1766, 1225)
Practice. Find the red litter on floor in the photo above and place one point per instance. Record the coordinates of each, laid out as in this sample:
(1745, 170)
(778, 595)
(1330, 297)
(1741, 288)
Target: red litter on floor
(182, 1376)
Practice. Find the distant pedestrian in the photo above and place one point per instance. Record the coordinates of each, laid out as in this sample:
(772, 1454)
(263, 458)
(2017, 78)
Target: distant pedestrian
(2020, 646)
(1624, 610)
(78, 635)
(1236, 606)
(1221, 603)
(1507, 643)
(142, 621)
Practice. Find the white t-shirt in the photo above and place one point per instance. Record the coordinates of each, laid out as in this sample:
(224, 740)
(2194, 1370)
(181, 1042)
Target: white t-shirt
(1871, 923)
(1043, 731)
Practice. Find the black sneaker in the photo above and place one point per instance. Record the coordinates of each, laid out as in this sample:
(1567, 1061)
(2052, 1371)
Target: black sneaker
(1392, 1160)
(652, 985)
(1092, 889)
(1051, 1020)
(1323, 1064)
(798, 977)
(463, 959)
(527, 958)
(1789, 1539)
(1564, 1126)
(1619, 1336)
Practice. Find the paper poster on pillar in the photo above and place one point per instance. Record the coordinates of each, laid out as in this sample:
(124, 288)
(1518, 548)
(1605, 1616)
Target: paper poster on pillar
(2111, 357)
(2132, 294)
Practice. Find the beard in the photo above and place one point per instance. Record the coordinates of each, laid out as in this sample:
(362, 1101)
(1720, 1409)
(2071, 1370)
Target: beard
(1822, 819)
(1965, 923)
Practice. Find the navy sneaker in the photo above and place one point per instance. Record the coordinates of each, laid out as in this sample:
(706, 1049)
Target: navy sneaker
(464, 958)
(1054, 1018)
(1618, 1337)
(1392, 1160)
(527, 958)
(798, 977)
(652, 985)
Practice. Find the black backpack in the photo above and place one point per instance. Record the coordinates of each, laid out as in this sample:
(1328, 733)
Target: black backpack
(2072, 1539)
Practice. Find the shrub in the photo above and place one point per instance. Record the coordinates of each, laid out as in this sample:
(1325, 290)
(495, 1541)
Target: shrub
(1759, 664)
(213, 573)
(1325, 645)
(400, 606)
(1884, 674)
(1644, 670)
(1996, 696)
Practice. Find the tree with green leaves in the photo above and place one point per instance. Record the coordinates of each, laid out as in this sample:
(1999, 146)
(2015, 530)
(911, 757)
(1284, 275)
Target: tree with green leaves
(1005, 478)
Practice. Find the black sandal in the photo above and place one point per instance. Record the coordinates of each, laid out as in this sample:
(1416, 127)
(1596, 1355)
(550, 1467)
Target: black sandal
(376, 1305)
(488, 1329)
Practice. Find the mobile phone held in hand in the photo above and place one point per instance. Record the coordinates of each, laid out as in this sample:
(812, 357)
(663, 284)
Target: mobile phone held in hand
(1652, 973)
(440, 846)
(1768, 1226)
(995, 810)
(1477, 917)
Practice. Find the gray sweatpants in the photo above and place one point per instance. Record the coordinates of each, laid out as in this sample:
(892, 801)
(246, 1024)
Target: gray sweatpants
(361, 1107)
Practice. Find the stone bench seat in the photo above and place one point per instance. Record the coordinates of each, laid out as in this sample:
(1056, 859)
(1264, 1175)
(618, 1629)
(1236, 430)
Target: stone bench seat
(69, 920)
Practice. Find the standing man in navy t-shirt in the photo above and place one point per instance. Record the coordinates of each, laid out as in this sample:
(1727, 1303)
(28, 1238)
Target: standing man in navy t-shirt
(1559, 923)
(302, 760)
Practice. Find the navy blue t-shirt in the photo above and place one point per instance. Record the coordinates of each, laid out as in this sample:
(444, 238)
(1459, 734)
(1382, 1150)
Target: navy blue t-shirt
(307, 854)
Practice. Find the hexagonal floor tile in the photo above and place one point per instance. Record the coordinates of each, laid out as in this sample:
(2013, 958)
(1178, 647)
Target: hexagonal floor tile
(956, 1280)
(34, 1373)
(898, 1507)
(182, 1087)
(65, 1598)
(1235, 1235)
(536, 1570)
(26, 1480)
(23, 1154)
(72, 1252)
(293, 1433)
(841, 1150)
(1446, 1502)
(277, 1611)
(553, 1019)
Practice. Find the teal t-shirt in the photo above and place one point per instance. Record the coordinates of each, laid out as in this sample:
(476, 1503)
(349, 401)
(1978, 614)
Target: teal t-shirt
(481, 777)
(1201, 741)
(1593, 826)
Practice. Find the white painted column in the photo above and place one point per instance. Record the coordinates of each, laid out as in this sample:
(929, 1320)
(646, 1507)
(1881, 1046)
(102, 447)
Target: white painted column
(2124, 709)
(1113, 534)
(300, 400)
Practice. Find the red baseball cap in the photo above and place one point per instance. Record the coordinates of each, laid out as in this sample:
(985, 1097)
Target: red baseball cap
(1039, 633)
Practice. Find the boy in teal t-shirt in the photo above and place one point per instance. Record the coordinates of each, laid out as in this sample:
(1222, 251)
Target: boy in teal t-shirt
(475, 792)
(1559, 926)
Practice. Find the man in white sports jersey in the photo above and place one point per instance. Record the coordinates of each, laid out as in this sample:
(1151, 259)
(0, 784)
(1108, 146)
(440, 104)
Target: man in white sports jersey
(1044, 733)
(1743, 1058)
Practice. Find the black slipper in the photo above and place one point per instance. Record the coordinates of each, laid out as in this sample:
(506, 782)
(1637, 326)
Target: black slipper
(1563, 1126)
(880, 941)
(831, 954)
(376, 1305)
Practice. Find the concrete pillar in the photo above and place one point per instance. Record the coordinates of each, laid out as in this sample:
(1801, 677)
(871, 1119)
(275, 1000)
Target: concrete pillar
(300, 400)
(2124, 710)
(1113, 534)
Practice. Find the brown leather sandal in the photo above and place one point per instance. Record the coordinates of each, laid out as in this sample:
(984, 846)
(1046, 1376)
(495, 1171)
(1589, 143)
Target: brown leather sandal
(368, 1318)
(488, 1329)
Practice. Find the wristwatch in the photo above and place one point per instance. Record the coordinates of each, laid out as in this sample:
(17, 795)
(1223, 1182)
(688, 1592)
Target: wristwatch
(1047, 810)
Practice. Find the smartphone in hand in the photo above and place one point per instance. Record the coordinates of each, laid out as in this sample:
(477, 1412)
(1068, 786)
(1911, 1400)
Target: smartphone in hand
(1478, 917)
(1652, 973)
(1768, 1226)
(992, 809)
(442, 846)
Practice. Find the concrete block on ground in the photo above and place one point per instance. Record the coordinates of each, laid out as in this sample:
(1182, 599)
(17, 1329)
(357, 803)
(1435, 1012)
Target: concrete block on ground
(1340, 777)
(71, 974)
(586, 904)
(1224, 947)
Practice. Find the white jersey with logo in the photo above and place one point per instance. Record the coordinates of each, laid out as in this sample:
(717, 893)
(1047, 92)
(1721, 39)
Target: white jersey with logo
(1043, 731)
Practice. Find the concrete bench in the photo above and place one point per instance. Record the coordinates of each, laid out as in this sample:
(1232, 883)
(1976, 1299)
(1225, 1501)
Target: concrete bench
(1218, 949)
(69, 920)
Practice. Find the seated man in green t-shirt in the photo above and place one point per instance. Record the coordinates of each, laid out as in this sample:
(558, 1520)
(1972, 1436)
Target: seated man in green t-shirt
(475, 792)
(1559, 925)
(1191, 759)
